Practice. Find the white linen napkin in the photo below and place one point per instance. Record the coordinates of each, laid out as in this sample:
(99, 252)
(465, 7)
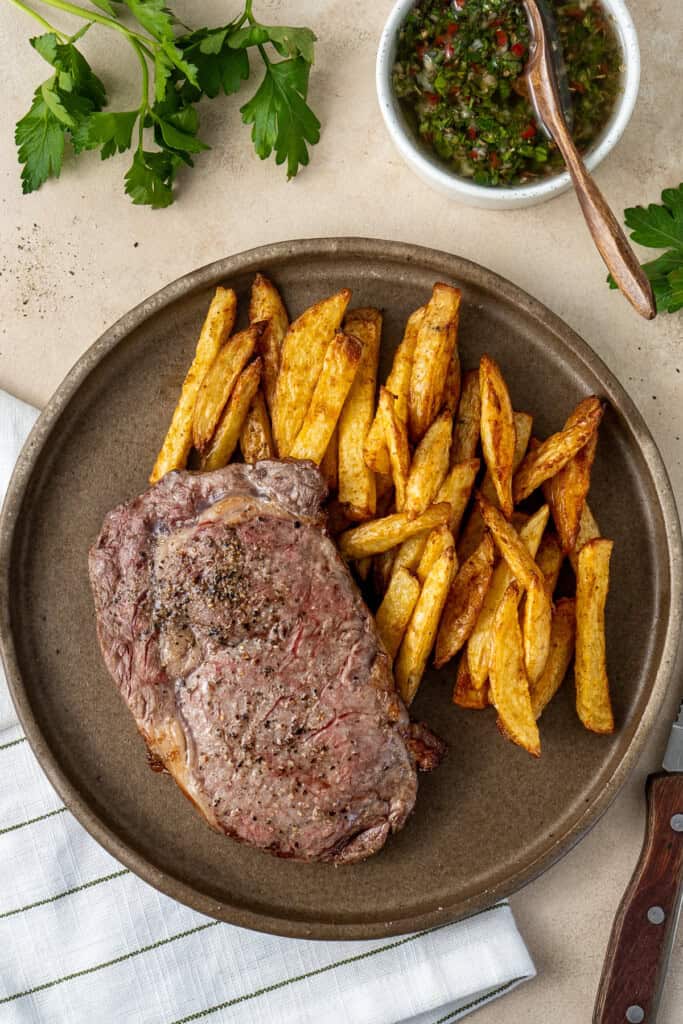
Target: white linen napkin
(82, 940)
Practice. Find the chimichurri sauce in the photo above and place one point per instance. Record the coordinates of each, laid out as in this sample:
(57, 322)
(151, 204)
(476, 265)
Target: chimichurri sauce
(459, 76)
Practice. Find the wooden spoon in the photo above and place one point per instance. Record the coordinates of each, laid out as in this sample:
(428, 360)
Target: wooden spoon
(608, 236)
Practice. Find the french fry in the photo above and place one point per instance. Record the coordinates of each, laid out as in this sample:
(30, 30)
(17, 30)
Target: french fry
(475, 528)
(510, 544)
(362, 567)
(468, 420)
(537, 616)
(356, 480)
(436, 339)
(480, 640)
(380, 535)
(559, 658)
(398, 383)
(336, 377)
(497, 431)
(301, 360)
(429, 465)
(557, 450)
(230, 425)
(465, 694)
(451, 394)
(566, 491)
(593, 704)
(456, 490)
(217, 327)
(588, 530)
(437, 541)
(396, 609)
(256, 439)
(509, 684)
(329, 467)
(396, 440)
(218, 383)
(549, 559)
(464, 602)
(266, 306)
(419, 637)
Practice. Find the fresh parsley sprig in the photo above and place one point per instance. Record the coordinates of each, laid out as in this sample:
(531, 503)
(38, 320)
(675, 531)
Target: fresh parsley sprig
(178, 66)
(661, 227)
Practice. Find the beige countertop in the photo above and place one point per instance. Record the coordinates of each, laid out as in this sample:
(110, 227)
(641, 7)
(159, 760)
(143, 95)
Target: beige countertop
(77, 255)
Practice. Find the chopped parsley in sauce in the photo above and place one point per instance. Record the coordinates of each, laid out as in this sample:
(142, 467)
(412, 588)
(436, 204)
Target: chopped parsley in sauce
(459, 75)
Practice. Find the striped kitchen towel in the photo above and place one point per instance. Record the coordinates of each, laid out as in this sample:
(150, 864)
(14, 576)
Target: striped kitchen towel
(84, 941)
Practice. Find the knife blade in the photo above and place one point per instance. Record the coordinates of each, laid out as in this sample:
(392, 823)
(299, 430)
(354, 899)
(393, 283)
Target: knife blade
(645, 924)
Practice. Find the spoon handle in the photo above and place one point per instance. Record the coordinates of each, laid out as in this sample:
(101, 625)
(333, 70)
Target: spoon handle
(608, 235)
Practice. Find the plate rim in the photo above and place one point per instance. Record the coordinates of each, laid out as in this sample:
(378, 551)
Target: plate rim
(213, 273)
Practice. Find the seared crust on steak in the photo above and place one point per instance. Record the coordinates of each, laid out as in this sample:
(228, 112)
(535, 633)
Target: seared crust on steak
(250, 662)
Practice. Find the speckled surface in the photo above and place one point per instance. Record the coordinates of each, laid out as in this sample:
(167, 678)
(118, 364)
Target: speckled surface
(77, 255)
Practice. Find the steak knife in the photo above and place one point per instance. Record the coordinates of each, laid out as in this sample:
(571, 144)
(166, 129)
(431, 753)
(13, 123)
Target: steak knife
(645, 925)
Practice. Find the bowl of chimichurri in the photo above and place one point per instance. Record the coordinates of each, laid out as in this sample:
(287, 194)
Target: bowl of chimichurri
(450, 82)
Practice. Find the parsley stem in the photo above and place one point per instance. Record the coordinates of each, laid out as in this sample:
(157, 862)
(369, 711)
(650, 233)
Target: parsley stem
(247, 10)
(144, 105)
(37, 17)
(101, 19)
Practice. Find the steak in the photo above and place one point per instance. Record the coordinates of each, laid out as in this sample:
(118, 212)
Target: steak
(251, 664)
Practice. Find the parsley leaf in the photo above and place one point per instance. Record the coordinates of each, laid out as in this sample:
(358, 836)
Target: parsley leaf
(149, 180)
(218, 65)
(660, 226)
(40, 142)
(112, 131)
(282, 121)
(289, 42)
(74, 74)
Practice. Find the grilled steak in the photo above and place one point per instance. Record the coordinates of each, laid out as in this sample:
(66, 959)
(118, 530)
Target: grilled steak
(251, 664)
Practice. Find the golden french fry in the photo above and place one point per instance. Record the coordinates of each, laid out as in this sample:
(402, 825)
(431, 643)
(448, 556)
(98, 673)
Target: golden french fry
(510, 544)
(497, 431)
(336, 377)
(538, 611)
(566, 491)
(479, 643)
(475, 528)
(468, 420)
(451, 394)
(398, 383)
(396, 440)
(509, 684)
(380, 535)
(217, 327)
(593, 704)
(549, 559)
(588, 530)
(465, 694)
(301, 359)
(559, 657)
(429, 465)
(266, 306)
(230, 425)
(218, 383)
(256, 439)
(555, 452)
(396, 609)
(456, 490)
(437, 541)
(356, 480)
(329, 467)
(419, 637)
(436, 339)
(464, 602)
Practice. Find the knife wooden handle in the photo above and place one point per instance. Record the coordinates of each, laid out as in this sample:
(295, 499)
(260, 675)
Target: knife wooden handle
(643, 928)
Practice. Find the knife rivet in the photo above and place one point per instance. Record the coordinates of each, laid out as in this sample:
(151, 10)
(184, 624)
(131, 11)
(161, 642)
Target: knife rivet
(635, 1015)
(677, 823)
(655, 915)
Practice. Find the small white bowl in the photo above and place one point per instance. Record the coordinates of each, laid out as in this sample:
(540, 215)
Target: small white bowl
(434, 173)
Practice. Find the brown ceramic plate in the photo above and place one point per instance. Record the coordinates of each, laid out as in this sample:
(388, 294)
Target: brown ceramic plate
(491, 818)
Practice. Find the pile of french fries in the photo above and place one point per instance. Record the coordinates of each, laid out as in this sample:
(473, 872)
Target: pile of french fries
(431, 527)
